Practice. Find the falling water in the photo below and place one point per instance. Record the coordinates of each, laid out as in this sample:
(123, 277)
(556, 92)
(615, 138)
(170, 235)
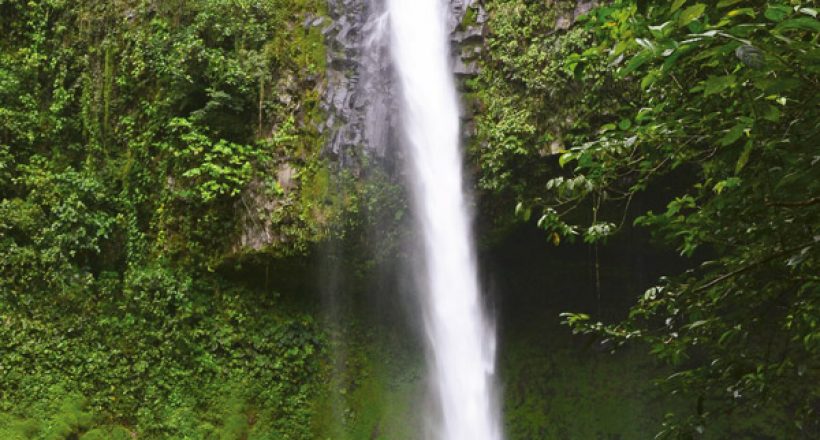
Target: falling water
(462, 341)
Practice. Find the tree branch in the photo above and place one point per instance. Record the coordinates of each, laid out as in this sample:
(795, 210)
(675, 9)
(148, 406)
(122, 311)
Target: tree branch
(796, 204)
(743, 269)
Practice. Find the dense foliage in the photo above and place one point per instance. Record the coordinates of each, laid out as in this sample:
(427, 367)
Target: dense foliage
(162, 178)
(712, 109)
(136, 139)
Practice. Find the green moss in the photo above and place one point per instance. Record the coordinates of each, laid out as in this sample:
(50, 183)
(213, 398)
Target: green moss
(564, 394)
(107, 433)
(315, 51)
(470, 18)
(235, 424)
(555, 390)
(14, 428)
(66, 418)
(376, 394)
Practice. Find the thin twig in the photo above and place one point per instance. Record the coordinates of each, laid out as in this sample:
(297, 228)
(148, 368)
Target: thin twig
(743, 269)
(801, 203)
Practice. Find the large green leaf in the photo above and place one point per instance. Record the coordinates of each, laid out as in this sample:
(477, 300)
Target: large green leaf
(637, 61)
(716, 84)
(802, 23)
(777, 12)
(744, 157)
(726, 3)
(691, 14)
(733, 134)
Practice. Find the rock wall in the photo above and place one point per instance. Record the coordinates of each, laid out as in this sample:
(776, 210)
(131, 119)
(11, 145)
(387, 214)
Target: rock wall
(359, 97)
(360, 127)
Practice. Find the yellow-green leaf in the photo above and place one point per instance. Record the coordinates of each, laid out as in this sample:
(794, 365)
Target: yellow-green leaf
(744, 157)
(742, 11)
(726, 3)
(691, 14)
(565, 158)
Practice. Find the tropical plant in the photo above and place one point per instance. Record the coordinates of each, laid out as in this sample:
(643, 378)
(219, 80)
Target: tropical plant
(722, 101)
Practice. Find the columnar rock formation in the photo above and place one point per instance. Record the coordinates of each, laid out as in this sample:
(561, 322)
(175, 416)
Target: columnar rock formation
(358, 97)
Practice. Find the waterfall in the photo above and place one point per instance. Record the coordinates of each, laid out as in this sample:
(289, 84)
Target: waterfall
(460, 336)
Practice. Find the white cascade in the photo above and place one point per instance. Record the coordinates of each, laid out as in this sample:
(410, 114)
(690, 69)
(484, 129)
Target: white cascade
(460, 336)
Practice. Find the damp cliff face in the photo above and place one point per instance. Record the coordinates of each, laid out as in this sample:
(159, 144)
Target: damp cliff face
(468, 26)
(359, 98)
(358, 95)
(354, 124)
(525, 100)
(503, 97)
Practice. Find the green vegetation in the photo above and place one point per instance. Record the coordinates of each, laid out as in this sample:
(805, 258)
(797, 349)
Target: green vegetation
(131, 132)
(699, 121)
(163, 190)
(377, 387)
(556, 393)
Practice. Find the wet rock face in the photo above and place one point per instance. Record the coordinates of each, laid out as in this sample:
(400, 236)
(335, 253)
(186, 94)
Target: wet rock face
(359, 98)
(467, 36)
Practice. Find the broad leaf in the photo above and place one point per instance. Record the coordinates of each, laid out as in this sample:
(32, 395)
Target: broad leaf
(726, 3)
(802, 23)
(744, 157)
(732, 135)
(691, 14)
(716, 84)
(637, 61)
(777, 12)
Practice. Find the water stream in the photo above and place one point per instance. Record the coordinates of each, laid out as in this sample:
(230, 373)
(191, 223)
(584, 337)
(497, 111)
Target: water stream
(460, 335)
